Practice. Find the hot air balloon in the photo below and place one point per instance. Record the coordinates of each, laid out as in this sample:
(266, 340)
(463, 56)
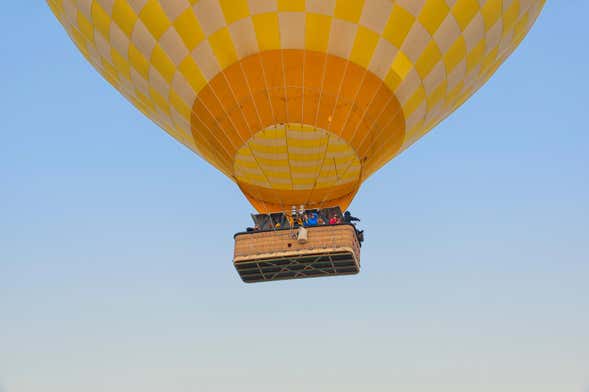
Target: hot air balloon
(297, 101)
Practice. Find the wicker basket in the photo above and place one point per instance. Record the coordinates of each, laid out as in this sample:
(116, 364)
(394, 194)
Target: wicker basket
(276, 255)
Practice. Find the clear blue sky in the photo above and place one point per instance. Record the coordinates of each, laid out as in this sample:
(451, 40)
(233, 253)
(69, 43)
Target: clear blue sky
(115, 266)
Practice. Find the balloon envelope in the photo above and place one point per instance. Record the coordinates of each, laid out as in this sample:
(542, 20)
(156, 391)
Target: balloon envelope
(297, 101)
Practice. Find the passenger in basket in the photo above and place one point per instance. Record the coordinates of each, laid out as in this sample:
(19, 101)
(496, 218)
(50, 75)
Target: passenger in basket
(305, 219)
(312, 220)
(348, 218)
(333, 220)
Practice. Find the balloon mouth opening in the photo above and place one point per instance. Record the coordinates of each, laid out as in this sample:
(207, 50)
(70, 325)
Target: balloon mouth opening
(289, 164)
(296, 157)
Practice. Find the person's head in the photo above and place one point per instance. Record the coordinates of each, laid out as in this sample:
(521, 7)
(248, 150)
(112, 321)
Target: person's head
(347, 213)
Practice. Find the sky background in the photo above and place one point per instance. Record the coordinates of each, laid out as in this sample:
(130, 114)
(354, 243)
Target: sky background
(116, 242)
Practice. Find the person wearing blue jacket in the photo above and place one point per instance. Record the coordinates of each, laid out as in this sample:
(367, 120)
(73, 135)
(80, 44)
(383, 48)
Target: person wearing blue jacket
(312, 219)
